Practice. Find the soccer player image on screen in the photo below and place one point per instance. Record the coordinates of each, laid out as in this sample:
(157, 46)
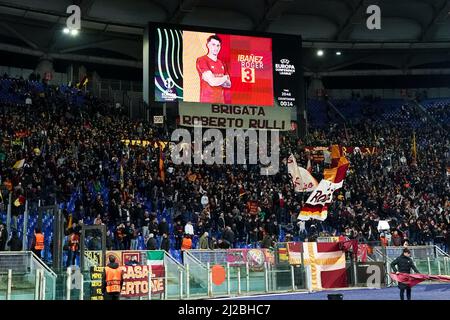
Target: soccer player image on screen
(213, 73)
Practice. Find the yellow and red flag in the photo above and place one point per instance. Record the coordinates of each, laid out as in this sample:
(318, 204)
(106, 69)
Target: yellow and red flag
(336, 154)
(316, 207)
(19, 201)
(324, 261)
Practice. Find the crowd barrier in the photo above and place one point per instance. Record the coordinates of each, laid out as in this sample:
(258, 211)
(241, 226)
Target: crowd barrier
(156, 275)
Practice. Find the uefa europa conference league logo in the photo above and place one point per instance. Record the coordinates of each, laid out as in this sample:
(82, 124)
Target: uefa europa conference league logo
(168, 94)
(284, 68)
(220, 148)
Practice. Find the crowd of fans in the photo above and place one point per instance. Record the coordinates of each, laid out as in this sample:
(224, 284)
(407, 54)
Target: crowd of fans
(74, 155)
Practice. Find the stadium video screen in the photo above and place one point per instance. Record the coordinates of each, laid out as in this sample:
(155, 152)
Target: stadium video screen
(223, 68)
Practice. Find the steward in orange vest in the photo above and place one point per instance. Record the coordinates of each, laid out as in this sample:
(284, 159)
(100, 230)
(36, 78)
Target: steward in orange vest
(112, 280)
(74, 248)
(186, 244)
(38, 242)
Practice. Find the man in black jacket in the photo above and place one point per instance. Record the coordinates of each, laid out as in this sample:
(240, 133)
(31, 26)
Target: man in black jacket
(15, 244)
(228, 235)
(223, 244)
(178, 231)
(163, 227)
(404, 264)
(266, 242)
(165, 243)
(151, 243)
(3, 237)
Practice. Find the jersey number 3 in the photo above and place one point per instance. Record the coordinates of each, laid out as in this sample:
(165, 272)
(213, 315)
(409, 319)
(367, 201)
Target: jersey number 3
(248, 75)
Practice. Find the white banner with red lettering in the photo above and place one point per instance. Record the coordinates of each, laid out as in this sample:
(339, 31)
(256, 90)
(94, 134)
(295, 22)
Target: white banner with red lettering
(301, 178)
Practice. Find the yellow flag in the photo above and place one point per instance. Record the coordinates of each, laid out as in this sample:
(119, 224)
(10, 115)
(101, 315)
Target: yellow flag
(19, 164)
(69, 222)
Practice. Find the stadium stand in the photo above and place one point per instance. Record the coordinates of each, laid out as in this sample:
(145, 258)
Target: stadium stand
(80, 154)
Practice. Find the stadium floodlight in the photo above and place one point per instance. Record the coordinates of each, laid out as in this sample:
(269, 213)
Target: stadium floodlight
(320, 52)
(74, 32)
(66, 30)
(338, 53)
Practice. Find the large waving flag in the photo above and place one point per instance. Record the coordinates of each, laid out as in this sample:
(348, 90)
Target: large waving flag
(316, 207)
(324, 263)
(337, 174)
(309, 183)
(293, 170)
(301, 178)
(336, 154)
(413, 279)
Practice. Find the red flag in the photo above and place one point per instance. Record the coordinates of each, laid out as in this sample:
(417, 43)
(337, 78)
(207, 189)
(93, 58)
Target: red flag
(337, 174)
(295, 250)
(412, 279)
(326, 263)
(362, 252)
(336, 154)
(252, 207)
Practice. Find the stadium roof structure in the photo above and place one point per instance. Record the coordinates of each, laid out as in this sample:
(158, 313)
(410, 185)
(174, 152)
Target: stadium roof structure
(413, 33)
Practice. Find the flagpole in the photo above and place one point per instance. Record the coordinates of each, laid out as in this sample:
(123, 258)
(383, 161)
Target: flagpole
(346, 134)
(8, 213)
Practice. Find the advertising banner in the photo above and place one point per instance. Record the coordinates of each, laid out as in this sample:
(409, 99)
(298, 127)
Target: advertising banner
(135, 282)
(136, 266)
(96, 283)
(254, 257)
(252, 207)
(234, 116)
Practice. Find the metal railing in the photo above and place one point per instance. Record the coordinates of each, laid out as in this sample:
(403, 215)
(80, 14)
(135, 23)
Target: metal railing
(440, 253)
(28, 277)
(196, 275)
(380, 255)
(417, 252)
(428, 259)
(37, 261)
(174, 273)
